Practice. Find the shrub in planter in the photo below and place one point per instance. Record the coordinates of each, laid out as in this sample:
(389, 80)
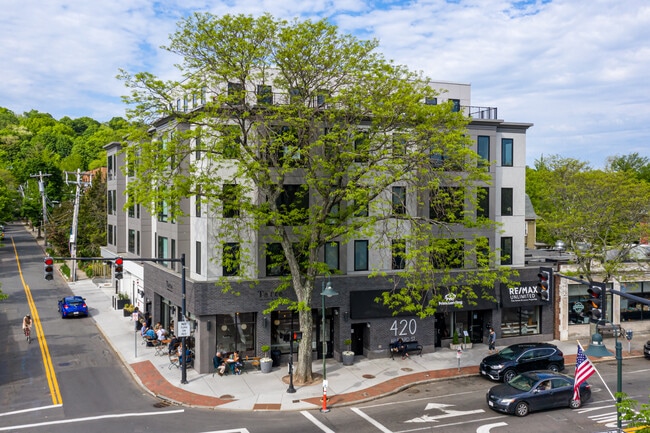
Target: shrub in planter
(348, 355)
(266, 363)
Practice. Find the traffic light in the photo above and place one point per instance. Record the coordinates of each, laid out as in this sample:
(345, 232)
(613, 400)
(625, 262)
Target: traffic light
(292, 336)
(119, 268)
(545, 284)
(597, 301)
(48, 268)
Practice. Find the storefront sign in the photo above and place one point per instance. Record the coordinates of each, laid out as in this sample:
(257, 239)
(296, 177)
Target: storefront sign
(522, 295)
(451, 299)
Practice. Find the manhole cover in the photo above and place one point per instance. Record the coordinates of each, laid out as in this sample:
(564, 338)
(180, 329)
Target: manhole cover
(368, 376)
(162, 404)
(227, 397)
(414, 391)
(407, 369)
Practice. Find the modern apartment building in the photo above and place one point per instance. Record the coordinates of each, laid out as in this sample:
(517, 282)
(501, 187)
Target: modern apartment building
(240, 322)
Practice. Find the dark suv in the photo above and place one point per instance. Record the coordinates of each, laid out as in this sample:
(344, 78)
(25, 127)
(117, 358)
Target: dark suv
(522, 357)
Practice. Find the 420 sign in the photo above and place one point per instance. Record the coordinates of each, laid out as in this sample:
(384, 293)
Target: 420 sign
(405, 329)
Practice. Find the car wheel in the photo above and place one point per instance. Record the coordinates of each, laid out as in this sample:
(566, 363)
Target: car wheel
(575, 404)
(521, 409)
(508, 375)
(554, 367)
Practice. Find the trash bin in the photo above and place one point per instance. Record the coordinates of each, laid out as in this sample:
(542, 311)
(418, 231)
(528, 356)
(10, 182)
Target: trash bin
(275, 356)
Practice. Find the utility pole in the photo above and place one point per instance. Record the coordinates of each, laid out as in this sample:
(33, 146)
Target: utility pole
(75, 218)
(41, 188)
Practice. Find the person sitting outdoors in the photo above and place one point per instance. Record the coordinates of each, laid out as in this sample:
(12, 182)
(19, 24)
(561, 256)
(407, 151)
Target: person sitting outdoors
(219, 363)
(161, 334)
(188, 352)
(235, 363)
(150, 336)
(401, 348)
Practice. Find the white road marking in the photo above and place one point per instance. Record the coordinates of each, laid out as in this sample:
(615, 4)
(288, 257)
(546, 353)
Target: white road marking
(487, 427)
(31, 410)
(317, 423)
(447, 413)
(372, 421)
(90, 418)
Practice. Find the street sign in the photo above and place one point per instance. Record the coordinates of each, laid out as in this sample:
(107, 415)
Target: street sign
(184, 329)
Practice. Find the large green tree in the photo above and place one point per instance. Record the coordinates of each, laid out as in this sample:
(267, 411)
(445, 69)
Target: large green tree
(298, 103)
(601, 215)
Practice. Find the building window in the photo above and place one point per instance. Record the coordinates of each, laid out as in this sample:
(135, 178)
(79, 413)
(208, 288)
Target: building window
(361, 255)
(137, 242)
(198, 147)
(399, 200)
(398, 249)
(276, 262)
(430, 101)
(236, 93)
(197, 205)
(197, 258)
(163, 213)
(132, 211)
(520, 321)
(446, 204)
(332, 256)
(483, 205)
(163, 250)
(448, 254)
(483, 149)
(455, 107)
(132, 241)
(360, 209)
(506, 201)
(109, 234)
(506, 251)
(293, 203)
(631, 309)
(322, 96)
(230, 200)
(173, 254)
(361, 147)
(264, 94)
(236, 331)
(231, 259)
(506, 152)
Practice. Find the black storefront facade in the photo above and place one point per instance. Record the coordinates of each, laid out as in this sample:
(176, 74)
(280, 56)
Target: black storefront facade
(225, 321)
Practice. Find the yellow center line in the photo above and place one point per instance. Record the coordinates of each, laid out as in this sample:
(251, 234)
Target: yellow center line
(40, 337)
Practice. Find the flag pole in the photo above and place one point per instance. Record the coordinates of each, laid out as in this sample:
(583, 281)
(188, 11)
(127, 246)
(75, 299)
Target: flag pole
(598, 373)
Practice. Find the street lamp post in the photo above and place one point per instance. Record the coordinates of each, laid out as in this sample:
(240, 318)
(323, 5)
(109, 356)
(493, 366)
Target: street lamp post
(598, 350)
(329, 292)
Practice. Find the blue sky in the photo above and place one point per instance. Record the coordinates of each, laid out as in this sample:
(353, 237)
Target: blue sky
(578, 69)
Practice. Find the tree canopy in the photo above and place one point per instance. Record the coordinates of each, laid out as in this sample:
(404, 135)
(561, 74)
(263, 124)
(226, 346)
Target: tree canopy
(600, 214)
(312, 138)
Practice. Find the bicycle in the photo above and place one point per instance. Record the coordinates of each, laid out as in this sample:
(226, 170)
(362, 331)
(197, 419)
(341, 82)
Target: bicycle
(28, 334)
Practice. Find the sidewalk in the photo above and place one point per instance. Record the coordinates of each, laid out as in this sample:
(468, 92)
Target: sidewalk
(363, 381)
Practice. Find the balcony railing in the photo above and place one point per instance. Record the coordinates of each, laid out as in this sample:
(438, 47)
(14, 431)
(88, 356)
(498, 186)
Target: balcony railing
(488, 113)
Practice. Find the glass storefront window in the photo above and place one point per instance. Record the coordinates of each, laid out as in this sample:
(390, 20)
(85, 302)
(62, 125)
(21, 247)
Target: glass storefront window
(520, 321)
(236, 332)
(283, 322)
(630, 309)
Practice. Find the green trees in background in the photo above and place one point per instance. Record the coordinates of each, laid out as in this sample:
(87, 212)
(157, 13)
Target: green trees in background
(34, 143)
(601, 215)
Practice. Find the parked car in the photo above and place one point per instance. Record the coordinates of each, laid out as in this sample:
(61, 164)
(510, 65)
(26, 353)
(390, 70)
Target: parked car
(72, 306)
(518, 358)
(646, 349)
(536, 390)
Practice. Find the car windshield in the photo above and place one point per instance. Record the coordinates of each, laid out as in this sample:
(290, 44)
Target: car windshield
(509, 354)
(522, 383)
(76, 303)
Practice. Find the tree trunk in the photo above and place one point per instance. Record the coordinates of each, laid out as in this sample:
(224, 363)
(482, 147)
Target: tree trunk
(303, 371)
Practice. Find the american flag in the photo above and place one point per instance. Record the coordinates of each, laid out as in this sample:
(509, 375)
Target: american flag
(584, 370)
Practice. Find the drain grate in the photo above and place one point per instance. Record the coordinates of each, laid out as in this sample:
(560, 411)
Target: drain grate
(407, 369)
(368, 376)
(162, 404)
(226, 397)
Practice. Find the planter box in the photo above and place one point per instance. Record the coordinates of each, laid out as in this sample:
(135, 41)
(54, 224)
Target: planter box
(120, 303)
(453, 346)
(266, 366)
(348, 358)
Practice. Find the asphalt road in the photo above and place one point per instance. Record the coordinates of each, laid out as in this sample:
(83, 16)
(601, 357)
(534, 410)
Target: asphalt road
(69, 380)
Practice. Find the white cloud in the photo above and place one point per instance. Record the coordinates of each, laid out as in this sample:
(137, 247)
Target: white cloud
(575, 68)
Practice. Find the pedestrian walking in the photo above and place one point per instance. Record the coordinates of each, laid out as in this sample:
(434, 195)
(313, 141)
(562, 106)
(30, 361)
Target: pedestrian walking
(492, 340)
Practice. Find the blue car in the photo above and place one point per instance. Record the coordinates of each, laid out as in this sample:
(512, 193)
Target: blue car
(73, 306)
(536, 390)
